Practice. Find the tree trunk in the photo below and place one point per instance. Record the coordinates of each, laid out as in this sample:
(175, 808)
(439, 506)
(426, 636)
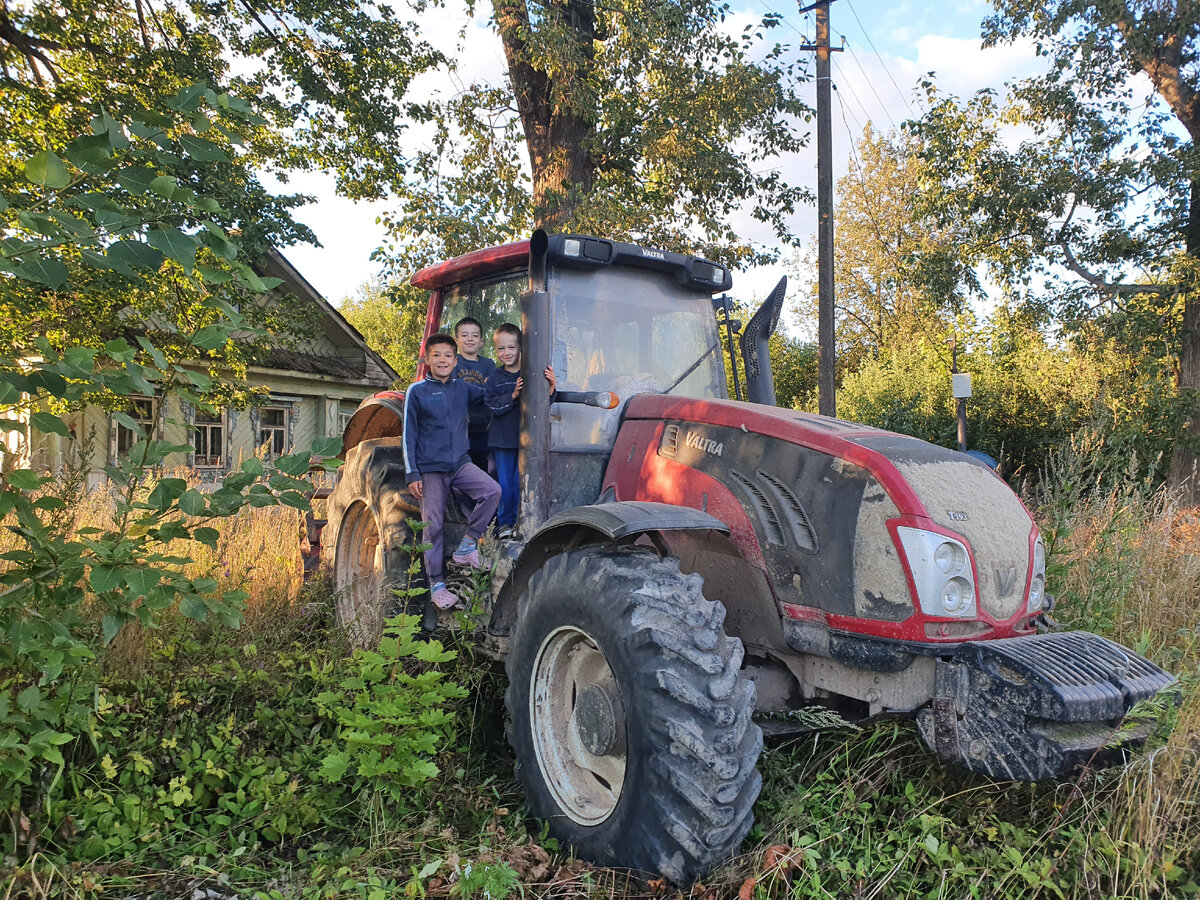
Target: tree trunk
(556, 114)
(1185, 461)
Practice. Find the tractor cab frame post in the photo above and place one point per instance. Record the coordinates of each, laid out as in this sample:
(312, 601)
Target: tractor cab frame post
(533, 456)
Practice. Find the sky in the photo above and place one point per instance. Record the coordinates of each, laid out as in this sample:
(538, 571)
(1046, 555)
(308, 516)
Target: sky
(889, 46)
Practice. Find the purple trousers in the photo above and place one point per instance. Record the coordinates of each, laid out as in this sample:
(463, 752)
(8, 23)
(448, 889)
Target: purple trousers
(473, 483)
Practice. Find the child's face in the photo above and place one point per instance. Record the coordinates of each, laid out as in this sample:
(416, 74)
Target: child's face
(508, 349)
(470, 339)
(441, 359)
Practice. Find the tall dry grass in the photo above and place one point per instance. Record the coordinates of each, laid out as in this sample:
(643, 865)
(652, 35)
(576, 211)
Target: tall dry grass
(257, 551)
(1127, 564)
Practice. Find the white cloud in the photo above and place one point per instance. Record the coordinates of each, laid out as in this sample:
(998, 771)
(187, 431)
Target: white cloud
(963, 66)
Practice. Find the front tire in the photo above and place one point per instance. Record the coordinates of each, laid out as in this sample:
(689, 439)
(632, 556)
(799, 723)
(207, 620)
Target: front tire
(631, 720)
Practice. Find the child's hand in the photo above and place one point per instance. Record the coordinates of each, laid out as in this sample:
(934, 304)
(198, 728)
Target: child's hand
(517, 387)
(415, 489)
(549, 373)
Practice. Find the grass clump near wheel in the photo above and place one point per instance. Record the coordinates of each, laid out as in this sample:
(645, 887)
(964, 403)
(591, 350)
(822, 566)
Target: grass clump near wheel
(631, 719)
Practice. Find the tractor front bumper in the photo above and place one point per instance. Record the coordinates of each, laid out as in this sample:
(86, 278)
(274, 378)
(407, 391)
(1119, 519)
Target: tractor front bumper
(1038, 707)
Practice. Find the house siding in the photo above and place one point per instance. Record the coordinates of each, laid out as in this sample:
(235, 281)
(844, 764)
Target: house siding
(322, 384)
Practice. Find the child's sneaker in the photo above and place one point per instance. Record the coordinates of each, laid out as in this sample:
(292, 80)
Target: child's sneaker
(505, 532)
(469, 558)
(443, 598)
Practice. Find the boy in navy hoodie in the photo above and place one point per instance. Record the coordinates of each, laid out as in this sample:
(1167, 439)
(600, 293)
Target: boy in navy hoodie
(437, 458)
(504, 437)
(474, 369)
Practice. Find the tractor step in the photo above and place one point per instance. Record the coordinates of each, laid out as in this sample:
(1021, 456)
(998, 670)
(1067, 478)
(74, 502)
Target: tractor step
(1037, 707)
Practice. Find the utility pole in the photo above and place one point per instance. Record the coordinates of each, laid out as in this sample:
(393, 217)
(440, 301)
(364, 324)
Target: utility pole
(826, 342)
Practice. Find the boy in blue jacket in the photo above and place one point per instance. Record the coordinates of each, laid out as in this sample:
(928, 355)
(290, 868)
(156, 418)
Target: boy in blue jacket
(504, 437)
(437, 458)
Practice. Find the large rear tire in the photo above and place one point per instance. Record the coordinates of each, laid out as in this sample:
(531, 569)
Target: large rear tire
(631, 719)
(367, 544)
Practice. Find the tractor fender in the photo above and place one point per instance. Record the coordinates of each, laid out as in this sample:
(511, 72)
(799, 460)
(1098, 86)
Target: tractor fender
(618, 522)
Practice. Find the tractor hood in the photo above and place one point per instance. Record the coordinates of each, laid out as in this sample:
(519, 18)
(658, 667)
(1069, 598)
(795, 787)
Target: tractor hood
(825, 498)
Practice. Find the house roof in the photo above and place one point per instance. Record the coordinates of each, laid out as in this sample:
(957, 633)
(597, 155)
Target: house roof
(356, 361)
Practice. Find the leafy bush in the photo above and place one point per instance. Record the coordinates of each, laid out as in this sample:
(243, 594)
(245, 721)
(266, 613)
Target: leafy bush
(1030, 395)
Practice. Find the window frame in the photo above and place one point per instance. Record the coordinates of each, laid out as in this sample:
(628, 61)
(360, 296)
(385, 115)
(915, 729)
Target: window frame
(219, 422)
(152, 426)
(284, 429)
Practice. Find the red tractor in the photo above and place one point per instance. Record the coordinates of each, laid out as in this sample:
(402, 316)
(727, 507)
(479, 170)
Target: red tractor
(686, 563)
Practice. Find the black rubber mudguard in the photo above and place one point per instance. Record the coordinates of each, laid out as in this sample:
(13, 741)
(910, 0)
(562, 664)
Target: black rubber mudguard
(1038, 707)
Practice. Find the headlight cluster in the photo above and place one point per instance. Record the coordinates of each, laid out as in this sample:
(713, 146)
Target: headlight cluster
(941, 568)
(1037, 584)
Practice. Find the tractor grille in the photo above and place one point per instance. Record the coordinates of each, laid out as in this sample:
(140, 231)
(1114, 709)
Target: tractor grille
(1082, 677)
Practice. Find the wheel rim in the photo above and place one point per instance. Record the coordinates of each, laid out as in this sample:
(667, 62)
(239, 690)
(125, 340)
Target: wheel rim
(578, 725)
(357, 565)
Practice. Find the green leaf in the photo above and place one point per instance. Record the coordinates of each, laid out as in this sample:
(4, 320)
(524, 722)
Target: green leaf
(165, 186)
(111, 623)
(192, 503)
(202, 150)
(135, 253)
(253, 466)
(327, 446)
(207, 536)
(175, 244)
(24, 479)
(294, 499)
(47, 170)
(30, 698)
(187, 99)
(293, 463)
(100, 261)
(89, 150)
(214, 276)
(165, 493)
(201, 380)
(334, 766)
(81, 359)
(49, 272)
(222, 247)
(48, 423)
(210, 337)
(104, 578)
(193, 607)
(142, 579)
(136, 179)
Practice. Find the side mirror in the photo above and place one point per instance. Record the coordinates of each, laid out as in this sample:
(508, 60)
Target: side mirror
(598, 399)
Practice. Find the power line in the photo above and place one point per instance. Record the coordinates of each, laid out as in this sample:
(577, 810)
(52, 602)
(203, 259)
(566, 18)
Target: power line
(886, 70)
(871, 83)
(849, 87)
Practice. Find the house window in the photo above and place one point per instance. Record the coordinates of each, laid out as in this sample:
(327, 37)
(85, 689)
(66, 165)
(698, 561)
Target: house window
(208, 440)
(345, 414)
(143, 412)
(273, 430)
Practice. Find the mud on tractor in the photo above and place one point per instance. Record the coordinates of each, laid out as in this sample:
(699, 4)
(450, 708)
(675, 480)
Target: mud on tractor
(685, 562)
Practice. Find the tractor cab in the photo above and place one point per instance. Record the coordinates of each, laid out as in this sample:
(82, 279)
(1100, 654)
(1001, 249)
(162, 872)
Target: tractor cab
(611, 318)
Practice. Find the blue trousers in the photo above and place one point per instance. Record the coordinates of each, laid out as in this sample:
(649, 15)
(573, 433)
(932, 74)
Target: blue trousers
(505, 459)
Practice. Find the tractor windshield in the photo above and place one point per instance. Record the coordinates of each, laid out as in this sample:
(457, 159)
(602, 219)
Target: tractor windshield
(629, 331)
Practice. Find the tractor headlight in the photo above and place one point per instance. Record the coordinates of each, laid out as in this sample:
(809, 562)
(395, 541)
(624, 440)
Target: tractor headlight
(1037, 583)
(941, 570)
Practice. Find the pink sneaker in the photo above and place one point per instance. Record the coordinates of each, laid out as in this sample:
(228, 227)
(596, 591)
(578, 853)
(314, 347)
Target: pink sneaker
(470, 559)
(443, 598)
